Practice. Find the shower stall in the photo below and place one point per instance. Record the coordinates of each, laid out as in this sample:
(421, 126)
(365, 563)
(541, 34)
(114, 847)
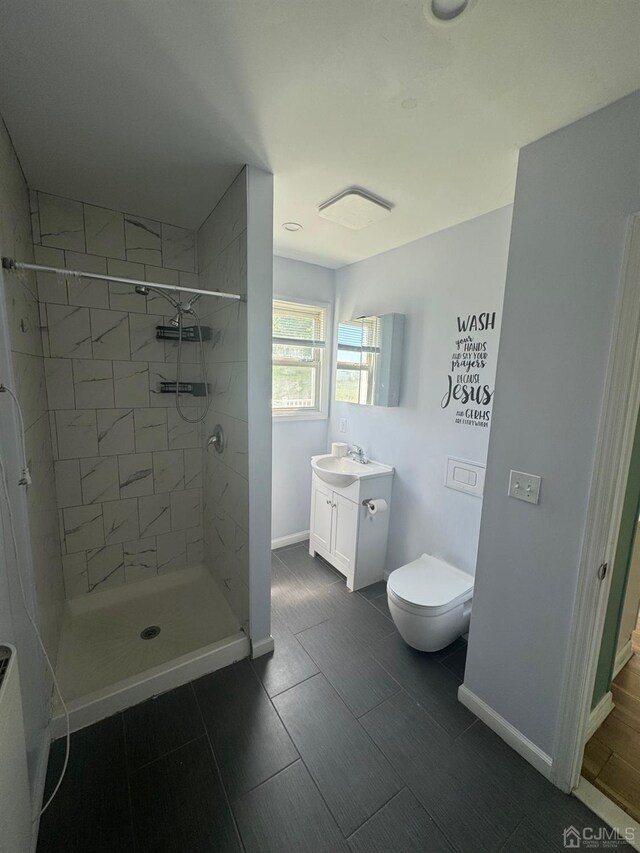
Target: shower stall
(150, 387)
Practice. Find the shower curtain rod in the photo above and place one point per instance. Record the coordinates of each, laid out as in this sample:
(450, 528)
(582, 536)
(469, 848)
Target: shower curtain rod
(14, 266)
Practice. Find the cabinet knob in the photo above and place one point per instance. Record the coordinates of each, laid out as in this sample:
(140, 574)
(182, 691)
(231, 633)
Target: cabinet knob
(328, 501)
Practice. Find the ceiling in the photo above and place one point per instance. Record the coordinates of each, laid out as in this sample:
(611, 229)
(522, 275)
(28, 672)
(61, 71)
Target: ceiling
(152, 106)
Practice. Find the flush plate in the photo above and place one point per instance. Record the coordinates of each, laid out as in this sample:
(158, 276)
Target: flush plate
(464, 476)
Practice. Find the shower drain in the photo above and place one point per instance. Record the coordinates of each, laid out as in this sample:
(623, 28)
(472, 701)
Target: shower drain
(150, 633)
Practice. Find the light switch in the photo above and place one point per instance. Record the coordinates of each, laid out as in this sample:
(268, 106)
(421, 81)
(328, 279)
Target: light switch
(342, 427)
(524, 487)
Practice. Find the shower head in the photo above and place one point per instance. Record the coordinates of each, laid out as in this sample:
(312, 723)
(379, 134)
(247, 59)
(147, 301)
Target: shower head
(183, 308)
(146, 289)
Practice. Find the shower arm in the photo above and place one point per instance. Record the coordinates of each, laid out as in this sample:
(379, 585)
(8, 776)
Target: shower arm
(12, 265)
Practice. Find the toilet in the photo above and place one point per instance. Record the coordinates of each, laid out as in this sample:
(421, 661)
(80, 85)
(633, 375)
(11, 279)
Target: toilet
(430, 602)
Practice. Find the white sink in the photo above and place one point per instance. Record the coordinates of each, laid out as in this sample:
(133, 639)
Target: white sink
(344, 471)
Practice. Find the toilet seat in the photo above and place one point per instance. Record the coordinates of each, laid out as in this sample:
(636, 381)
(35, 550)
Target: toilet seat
(429, 586)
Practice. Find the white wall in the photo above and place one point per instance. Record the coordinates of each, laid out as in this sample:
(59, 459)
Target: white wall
(574, 193)
(295, 442)
(432, 281)
(34, 512)
(103, 366)
(222, 264)
(259, 312)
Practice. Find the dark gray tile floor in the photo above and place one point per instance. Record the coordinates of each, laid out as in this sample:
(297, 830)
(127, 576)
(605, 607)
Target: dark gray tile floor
(344, 739)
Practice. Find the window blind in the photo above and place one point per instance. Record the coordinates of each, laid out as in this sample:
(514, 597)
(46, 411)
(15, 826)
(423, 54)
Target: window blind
(362, 335)
(298, 325)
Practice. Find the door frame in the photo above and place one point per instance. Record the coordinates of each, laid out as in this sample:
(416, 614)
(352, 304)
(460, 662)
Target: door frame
(618, 419)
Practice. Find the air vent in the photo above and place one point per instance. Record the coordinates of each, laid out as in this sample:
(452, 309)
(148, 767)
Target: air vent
(354, 208)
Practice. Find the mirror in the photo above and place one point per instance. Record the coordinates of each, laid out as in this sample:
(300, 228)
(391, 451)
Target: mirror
(369, 361)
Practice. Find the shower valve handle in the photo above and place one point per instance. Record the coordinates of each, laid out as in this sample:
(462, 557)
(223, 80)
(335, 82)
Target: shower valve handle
(216, 439)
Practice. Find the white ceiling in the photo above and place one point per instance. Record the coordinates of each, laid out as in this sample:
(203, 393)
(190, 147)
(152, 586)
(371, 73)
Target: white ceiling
(151, 106)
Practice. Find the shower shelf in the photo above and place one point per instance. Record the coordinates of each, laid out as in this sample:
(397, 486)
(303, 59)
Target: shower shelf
(196, 389)
(189, 333)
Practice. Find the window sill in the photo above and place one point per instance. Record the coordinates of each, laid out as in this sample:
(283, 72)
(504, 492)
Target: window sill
(299, 416)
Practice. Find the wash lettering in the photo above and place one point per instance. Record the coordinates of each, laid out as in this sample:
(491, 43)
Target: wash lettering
(477, 322)
(467, 383)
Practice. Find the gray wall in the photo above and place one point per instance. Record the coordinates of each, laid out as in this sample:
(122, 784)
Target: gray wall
(432, 281)
(574, 192)
(296, 441)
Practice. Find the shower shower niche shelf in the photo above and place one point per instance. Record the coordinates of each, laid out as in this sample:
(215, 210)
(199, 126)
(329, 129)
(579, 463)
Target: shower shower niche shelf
(189, 333)
(196, 389)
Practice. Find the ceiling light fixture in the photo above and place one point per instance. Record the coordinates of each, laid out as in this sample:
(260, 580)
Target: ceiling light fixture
(292, 226)
(354, 208)
(446, 11)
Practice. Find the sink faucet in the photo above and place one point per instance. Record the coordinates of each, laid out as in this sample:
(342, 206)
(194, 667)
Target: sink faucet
(357, 453)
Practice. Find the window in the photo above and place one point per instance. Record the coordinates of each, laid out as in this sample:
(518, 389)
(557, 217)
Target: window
(299, 360)
(358, 346)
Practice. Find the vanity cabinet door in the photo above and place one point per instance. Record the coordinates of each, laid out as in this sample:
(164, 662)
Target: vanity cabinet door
(321, 512)
(345, 531)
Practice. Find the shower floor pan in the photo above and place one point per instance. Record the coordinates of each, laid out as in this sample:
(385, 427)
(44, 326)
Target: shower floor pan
(105, 664)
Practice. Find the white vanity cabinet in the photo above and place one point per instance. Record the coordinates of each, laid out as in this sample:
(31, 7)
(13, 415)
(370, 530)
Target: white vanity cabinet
(344, 533)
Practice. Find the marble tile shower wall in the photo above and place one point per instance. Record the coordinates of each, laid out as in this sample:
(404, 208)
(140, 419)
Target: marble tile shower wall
(128, 470)
(29, 379)
(222, 254)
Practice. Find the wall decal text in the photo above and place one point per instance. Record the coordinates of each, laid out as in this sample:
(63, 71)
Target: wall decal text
(466, 385)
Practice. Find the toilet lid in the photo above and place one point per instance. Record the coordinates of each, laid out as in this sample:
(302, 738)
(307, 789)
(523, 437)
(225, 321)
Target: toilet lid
(429, 582)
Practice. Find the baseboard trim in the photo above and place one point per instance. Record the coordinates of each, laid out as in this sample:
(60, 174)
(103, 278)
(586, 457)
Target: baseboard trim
(609, 812)
(623, 657)
(509, 734)
(599, 714)
(262, 647)
(291, 539)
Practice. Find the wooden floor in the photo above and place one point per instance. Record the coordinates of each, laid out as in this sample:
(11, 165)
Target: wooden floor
(612, 756)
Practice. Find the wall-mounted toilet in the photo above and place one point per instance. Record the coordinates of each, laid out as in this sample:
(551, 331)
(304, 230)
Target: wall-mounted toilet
(430, 602)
